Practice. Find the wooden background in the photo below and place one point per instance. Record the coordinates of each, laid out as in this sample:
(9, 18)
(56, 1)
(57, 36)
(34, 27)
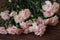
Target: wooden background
(52, 33)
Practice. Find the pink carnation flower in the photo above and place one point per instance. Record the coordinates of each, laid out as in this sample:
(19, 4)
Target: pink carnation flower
(27, 13)
(13, 13)
(3, 30)
(37, 29)
(26, 31)
(47, 6)
(52, 21)
(5, 15)
(26, 24)
(50, 9)
(48, 13)
(24, 14)
(14, 30)
(46, 21)
(29, 22)
(39, 21)
(41, 29)
(17, 19)
(31, 29)
(55, 7)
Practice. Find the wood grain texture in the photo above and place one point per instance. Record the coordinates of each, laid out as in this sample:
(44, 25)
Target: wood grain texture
(52, 33)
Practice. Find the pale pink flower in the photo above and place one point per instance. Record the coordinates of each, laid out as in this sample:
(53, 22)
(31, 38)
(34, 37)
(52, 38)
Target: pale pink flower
(16, 18)
(29, 22)
(33, 28)
(48, 2)
(40, 30)
(20, 19)
(37, 29)
(26, 24)
(13, 13)
(19, 31)
(14, 30)
(24, 14)
(52, 21)
(26, 31)
(55, 7)
(50, 9)
(27, 13)
(39, 21)
(47, 6)
(5, 15)
(3, 30)
(48, 13)
(46, 21)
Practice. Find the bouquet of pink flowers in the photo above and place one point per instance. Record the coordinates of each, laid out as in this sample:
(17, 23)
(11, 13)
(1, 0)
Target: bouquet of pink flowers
(26, 20)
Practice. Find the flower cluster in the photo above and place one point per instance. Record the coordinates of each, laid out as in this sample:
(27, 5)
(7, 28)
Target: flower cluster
(50, 9)
(38, 27)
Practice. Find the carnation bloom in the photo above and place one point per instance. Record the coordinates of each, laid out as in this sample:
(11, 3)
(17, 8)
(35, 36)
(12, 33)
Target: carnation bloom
(16, 18)
(5, 15)
(48, 13)
(26, 24)
(13, 13)
(3, 30)
(29, 22)
(46, 21)
(39, 21)
(41, 29)
(14, 30)
(27, 13)
(24, 14)
(47, 6)
(52, 21)
(33, 27)
(55, 7)
(37, 29)
(26, 30)
(50, 9)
